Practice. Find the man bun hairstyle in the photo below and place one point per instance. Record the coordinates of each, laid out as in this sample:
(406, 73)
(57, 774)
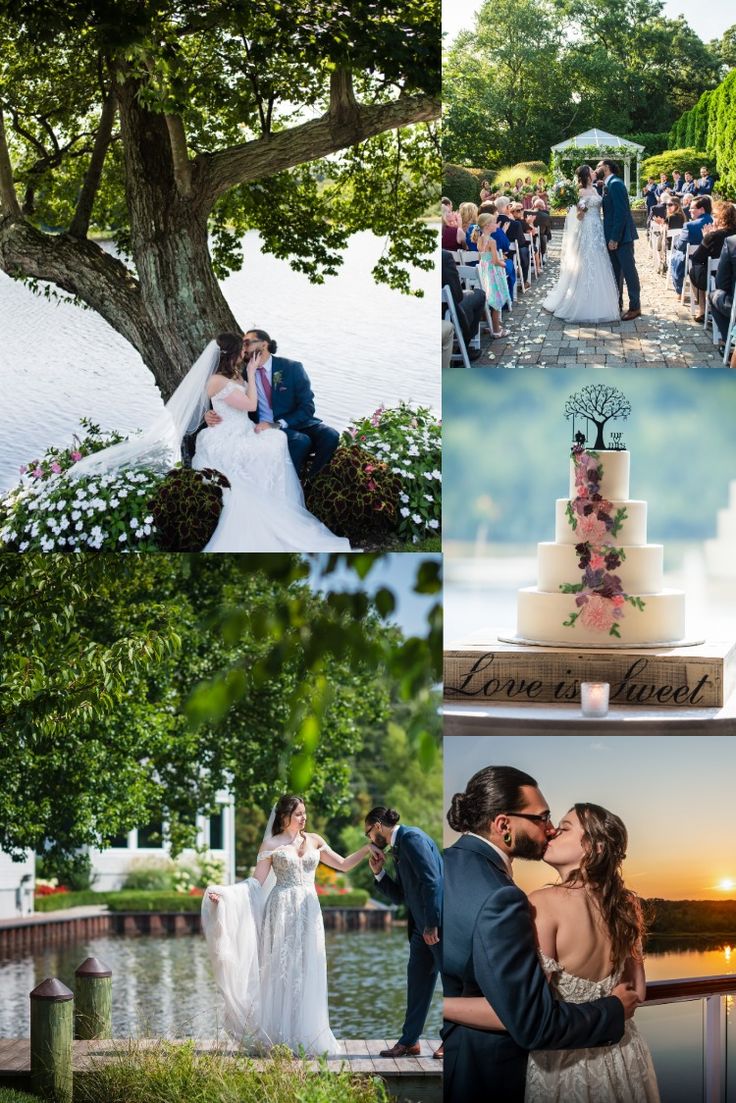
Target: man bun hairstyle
(263, 336)
(493, 790)
(387, 817)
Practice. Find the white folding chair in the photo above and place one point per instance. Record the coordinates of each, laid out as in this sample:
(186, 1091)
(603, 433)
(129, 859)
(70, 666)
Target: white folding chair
(533, 273)
(450, 303)
(669, 252)
(710, 285)
(470, 279)
(730, 334)
(469, 256)
(686, 284)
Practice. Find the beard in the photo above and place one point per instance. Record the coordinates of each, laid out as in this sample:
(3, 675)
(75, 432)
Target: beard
(529, 849)
(600, 173)
(379, 842)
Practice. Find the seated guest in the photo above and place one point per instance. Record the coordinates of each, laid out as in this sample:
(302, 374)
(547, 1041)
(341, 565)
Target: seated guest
(724, 225)
(450, 225)
(468, 219)
(691, 234)
(672, 218)
(515, 230)
(677, 182)
(544, 223)
(687, 202)
(704, 185)
(663, 185)
(688, 185)
(468, 304)
(721, 300)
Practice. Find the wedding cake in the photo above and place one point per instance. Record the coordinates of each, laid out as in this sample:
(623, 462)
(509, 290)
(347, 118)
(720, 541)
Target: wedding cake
(720, 554)
(600, 582)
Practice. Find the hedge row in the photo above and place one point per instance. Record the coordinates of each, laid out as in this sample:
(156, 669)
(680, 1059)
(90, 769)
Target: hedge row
(130, 901)
(686, 160)
(711, 125)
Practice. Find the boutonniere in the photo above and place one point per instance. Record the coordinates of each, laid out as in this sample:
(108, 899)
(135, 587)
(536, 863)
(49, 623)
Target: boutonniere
(276, 378)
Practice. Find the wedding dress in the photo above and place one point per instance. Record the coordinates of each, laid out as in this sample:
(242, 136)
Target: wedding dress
(622, 1072)
(267, 948)
(264, 509)
(586, 288)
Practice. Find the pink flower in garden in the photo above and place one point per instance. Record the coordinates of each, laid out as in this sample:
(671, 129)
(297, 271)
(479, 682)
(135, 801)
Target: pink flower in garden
(76, 456)
(56, 467)
(591, 529)
(371, 484)
(369, 467)
(599, 614)
(37, 472)
(353, 432)
(596, 562)
(23, 468)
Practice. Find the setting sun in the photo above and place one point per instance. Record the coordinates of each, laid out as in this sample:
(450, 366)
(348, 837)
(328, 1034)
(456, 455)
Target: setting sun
(727, 884)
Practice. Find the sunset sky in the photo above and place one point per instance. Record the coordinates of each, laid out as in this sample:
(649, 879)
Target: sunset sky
(675, 795)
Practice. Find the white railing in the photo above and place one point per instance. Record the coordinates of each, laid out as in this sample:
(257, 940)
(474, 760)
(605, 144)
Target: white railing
(714, 990)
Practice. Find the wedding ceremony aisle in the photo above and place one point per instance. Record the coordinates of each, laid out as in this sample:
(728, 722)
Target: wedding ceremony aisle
(664, 336)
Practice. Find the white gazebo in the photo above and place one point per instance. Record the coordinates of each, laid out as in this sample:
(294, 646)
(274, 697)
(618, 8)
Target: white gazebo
(604, 144)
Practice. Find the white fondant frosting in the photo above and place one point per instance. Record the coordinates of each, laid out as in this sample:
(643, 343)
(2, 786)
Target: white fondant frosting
(615, 482)
(541, 617)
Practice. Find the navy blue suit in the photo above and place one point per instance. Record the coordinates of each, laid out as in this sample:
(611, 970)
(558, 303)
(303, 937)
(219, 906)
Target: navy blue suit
(490, 950)
(418, 884)
(618, 225)
(704, 185)
(292, 401)
(721, 300)
(691, 234)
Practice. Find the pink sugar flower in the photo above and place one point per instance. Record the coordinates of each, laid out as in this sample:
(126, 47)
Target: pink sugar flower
(591, 529)
(596, 562)
(618, 599)
(599, 614)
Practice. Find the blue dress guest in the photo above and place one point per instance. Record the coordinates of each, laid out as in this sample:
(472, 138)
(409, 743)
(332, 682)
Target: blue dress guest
(663, 185)
(691, 234)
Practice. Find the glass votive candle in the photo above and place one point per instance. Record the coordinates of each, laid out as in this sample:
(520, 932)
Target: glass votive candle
(594, 698)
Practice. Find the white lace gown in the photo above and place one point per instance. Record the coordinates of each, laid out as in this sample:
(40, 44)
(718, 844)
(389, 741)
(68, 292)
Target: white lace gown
(621, 1073)
(264, 509)
(586, 288)
(267, 950)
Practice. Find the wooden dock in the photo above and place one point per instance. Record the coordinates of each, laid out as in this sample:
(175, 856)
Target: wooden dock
(408, 1079)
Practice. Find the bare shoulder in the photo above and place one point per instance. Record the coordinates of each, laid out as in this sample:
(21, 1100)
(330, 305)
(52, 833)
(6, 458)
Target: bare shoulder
(548, 899)
(217, 383)
(316, 840)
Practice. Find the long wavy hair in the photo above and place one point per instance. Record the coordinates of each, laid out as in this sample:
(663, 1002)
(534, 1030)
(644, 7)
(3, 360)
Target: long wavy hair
(605, 839)
(284, 810)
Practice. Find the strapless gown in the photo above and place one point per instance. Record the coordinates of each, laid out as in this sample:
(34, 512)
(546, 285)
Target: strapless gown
(621, 1073)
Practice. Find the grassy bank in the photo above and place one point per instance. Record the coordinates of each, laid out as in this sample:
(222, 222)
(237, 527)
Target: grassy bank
(178, 1074)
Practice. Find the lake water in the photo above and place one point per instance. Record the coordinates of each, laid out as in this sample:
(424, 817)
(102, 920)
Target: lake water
(163, 986)
(362, 345)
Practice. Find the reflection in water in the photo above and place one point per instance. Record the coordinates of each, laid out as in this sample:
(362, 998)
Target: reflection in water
(163, 986)
(361, 344)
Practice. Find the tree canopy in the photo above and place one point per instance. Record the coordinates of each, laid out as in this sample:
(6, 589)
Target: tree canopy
(133, 688)
(176, 126)
(531, 73)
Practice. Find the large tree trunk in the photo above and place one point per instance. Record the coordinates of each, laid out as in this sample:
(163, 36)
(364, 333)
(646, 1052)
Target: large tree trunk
(183, 300)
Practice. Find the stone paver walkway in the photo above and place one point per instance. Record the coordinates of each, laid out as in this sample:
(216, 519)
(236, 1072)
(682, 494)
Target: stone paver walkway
(665, 336)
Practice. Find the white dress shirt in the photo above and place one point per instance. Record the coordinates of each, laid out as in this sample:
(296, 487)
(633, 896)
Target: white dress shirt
(381, 872)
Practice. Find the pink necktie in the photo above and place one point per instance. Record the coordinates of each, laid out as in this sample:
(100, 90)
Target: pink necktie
(266, 384)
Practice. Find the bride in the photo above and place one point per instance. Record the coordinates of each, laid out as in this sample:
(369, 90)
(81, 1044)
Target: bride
(589, 931)
(266, 938)
(264, 508)
(586, 288)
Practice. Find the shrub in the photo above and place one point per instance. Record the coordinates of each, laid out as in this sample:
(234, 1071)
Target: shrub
(152, 902)
(61, 901)
(50, 510)
(462, 185)
(186, 508)
(171, 1073)
(356, 495)
(74, 871)
(535, 169)
(686, 160)
(410, 438)
(10, 1095)
(349, 898)
(149, 875)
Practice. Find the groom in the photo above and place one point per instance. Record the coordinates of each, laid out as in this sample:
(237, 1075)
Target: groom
(417, 883)
(286, 404)
(490, 947)
(621, 233)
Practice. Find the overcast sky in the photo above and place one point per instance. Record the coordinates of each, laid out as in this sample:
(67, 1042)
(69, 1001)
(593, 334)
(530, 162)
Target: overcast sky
(709, 20)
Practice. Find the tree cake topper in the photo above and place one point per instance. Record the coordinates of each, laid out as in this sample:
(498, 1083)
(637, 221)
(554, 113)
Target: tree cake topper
(600, 404)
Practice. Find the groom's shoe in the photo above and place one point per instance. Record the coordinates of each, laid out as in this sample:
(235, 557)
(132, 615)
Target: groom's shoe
(401, 1051)
(630, 315)
(439, 1053)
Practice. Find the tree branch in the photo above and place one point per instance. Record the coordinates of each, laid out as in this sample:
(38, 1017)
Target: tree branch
(85, 203)
(8, 199)
(308, 142)
(179, 154)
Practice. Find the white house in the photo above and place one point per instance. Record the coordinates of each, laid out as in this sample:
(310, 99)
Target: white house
(216, 833)
(16, 886)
